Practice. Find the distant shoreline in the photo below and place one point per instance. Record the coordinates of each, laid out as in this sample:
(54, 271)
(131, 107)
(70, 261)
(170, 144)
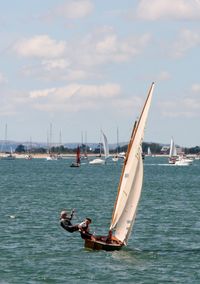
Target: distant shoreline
(44, 156)
(68, 156)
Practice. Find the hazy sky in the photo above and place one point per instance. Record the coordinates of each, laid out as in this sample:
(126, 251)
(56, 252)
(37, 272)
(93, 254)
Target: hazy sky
(83, 65)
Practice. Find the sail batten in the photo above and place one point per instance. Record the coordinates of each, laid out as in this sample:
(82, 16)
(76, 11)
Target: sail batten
(130, 185)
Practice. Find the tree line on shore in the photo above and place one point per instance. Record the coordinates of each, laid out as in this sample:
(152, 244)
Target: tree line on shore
(156, 148)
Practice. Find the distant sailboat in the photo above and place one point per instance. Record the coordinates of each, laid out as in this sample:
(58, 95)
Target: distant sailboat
(100, 161)
(51, 156)
(172, 152)
(84, 154)
(175, 159)
(28, 155)
(78, 159)
(183, 161)
(149, 152)
(129, 190)
(7, 155)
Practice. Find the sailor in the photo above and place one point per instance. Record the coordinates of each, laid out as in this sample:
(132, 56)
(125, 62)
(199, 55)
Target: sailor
(84, 229)
(109, 237)
(65, 221)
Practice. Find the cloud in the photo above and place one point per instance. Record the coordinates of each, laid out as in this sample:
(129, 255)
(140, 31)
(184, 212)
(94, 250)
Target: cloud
(13, 102)
(114, 49)
(187, 39)
(184, 107)
(41, 93)
(74, 97)
(163, 76)
(196, 88)
(168, 10)
(40, 46)
(51, 64)
(74, 75)
(69, 10)
(75, 9)
(77, 59)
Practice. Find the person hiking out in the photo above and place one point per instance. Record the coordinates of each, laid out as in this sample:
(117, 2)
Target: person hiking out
(65, 221)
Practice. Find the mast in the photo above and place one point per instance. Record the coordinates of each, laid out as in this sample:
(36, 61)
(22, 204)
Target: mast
(6, 138)
(86, 144)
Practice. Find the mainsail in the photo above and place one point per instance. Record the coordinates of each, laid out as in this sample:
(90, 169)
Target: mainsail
(130, 185)
(172, 151)
(105, 145)
(78, 157)
(149, 151)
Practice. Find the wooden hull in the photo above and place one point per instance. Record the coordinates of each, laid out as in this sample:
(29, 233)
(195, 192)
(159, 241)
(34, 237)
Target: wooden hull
(99, 245)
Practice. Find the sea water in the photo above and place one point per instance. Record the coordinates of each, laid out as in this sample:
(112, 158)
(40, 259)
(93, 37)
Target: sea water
(164, 246)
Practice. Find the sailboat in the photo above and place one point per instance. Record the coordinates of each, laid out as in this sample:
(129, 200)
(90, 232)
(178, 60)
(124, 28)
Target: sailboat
(51, 156)
(183, 161)
(99, 161)
(78, 159)
(172, 152)
(8, 155)
(129, 189)
(149, 152)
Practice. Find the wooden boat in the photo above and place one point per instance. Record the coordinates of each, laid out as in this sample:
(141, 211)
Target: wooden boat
(129, 190)
(103, 245)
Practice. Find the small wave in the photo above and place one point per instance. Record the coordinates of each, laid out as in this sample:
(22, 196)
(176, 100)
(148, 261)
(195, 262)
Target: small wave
(12, 216)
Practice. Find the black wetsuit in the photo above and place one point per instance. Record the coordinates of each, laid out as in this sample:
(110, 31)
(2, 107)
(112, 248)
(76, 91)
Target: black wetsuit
(67, 225)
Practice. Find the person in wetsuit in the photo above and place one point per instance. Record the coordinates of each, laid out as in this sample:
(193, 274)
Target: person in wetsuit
(65, 221)
(84, 229)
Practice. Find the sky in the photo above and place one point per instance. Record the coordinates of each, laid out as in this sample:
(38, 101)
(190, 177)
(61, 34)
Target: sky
(86, 65)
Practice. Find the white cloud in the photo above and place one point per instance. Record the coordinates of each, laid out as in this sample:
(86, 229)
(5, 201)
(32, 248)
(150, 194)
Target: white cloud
(41, 93)
(187, 39)
(74, 75)
(103, 91)
(69, 10)
(51, 64)
(115, 49)
(105, 47)
(196, 88)
(186, 107)
(41, 46)
(77, 59)
(75, 9)
(74, 97)
(166, 9)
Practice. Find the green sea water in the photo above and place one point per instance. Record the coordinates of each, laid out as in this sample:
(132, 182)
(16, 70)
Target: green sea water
(164, 246)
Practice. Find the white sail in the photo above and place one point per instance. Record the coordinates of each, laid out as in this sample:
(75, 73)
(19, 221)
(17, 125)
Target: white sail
(105, 145)
(149, 151)
(130, 185)
(172, 152)
(100, 161)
